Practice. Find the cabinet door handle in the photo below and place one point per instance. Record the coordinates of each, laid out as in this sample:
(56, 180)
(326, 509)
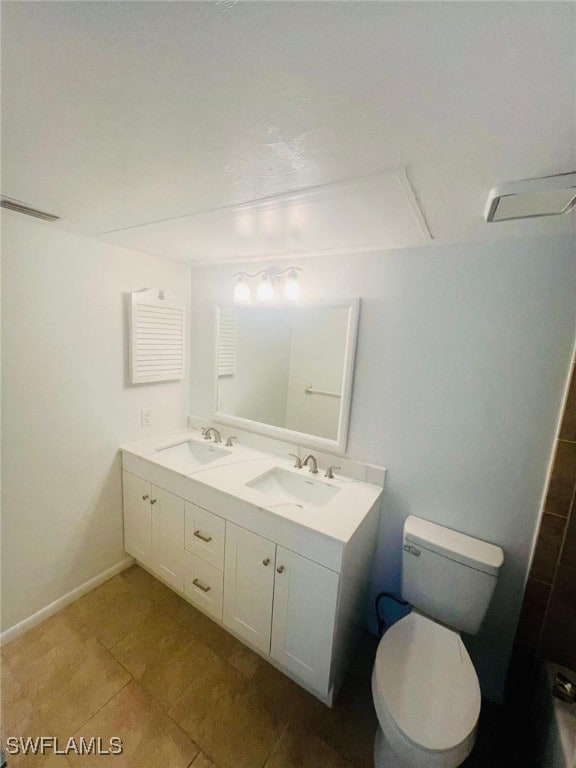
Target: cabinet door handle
(152, 501)
(203, 536)
(266, 561)
(145, 497)
(280, 569)
(203, 587)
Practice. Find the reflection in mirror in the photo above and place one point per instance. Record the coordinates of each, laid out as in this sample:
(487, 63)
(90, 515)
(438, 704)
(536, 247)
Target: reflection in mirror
(286, 367)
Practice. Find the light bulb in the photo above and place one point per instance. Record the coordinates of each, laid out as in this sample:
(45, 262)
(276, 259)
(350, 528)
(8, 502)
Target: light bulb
(242, 289)
(265, 290)
(292, 288)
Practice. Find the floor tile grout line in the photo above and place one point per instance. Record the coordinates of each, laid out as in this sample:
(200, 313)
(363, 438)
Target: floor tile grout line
(318, 734)
(180, 728)
(93, 715)
(137, 627)
(202, 750)
(79, 621)
(278, 740)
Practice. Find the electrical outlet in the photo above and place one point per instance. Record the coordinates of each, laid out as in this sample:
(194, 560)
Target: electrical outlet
(146, 417)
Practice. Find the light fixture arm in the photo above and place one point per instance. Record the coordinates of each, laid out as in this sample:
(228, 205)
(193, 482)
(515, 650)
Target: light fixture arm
(270, 272)
(269, 278)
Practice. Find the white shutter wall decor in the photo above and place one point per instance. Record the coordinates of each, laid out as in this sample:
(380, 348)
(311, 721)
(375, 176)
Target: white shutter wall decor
(156, 336)
(227, 343)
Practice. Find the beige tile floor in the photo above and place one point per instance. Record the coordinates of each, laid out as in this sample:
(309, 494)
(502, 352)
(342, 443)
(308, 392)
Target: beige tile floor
(132, 659)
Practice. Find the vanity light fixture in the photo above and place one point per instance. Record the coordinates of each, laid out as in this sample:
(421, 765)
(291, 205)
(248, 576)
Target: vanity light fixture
(269, 279)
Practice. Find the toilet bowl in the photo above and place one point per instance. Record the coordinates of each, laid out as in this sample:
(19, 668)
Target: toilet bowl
(425, 689)
(426, 695)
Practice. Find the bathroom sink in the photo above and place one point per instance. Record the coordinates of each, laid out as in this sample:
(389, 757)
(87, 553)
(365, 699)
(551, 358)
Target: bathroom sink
(193, 453)
(289, 487)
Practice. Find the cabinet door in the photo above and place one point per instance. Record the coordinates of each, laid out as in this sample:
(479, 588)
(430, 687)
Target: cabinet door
(168, 537)
(137, 518)
(305, 602)
(249, 585)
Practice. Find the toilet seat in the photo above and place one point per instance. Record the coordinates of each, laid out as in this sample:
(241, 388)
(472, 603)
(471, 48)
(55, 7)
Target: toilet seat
(426, 692)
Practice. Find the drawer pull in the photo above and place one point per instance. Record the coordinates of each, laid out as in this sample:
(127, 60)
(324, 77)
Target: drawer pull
(203, 587)
(266, 561)
(152, 501)
(203, 536)
(280, 569)
(145, 497)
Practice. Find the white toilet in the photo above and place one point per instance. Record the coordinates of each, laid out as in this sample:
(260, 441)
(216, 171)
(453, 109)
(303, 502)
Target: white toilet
(425, 688)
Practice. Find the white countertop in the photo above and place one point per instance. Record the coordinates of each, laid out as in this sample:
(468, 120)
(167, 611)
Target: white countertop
(338, 519)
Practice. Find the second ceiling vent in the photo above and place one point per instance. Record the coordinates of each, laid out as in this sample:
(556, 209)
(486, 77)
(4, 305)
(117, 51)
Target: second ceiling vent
(546, 196)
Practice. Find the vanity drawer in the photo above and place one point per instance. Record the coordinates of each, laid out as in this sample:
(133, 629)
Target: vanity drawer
(205, 535)
(203, 585)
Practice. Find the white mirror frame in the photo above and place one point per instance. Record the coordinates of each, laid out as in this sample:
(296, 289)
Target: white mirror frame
(288, 435)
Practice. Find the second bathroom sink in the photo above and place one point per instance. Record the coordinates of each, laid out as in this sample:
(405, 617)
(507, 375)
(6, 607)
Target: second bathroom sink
(289, 487)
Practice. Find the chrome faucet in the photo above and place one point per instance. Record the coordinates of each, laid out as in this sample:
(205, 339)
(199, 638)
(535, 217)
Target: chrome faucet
(313, 463)
(217, 438)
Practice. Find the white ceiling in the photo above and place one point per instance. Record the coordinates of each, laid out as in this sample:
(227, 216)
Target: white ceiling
(117, 115)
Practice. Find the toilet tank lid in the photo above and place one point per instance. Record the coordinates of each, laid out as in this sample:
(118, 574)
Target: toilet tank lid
(475, 553)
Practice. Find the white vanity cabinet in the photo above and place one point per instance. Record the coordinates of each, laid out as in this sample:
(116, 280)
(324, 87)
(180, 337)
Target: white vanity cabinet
(295, 595)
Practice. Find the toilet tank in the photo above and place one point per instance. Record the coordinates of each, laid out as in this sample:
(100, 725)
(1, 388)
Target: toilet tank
(447, 575)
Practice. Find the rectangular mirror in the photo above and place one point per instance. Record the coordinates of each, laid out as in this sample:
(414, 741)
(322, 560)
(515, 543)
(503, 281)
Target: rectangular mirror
(286, 371)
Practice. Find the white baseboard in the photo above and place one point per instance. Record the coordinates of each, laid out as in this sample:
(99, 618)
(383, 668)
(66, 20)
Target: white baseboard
(62, 602)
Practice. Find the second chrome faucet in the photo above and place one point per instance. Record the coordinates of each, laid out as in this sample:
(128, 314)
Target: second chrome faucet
(310, 459)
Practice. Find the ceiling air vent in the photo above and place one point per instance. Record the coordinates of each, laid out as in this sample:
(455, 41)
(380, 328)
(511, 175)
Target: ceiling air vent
(16, 205)
(546, 196)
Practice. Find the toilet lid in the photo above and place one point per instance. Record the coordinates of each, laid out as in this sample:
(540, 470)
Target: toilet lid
(424, 678)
